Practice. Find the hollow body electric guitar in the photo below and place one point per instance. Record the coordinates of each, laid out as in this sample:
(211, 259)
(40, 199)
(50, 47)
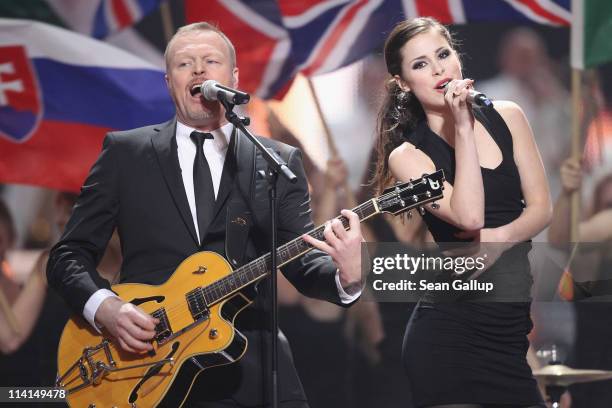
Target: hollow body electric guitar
(196, 308)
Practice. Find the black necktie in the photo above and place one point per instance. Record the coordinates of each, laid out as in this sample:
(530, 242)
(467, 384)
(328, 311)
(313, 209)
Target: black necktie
(202, 184)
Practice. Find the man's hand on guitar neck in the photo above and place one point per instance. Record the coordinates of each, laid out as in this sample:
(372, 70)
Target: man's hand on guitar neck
(132, 327)
(345, 249)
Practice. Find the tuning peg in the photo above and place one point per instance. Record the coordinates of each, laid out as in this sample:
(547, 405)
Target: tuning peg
(422, 210)
(435, 206)
(415, 199)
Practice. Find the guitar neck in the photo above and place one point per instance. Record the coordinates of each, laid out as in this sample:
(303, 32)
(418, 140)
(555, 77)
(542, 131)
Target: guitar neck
(260, 267)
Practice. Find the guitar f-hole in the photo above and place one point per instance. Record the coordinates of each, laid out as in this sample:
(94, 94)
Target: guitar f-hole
(154, 370)
(140, 301)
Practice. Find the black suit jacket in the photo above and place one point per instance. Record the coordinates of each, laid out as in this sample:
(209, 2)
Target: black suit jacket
(136, 186)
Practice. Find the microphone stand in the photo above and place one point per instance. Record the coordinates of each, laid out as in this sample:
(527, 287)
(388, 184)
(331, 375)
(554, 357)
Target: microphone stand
(276, 166)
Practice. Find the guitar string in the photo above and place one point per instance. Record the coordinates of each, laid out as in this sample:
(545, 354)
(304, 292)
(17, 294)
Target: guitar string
(221, 283)
(260, 264)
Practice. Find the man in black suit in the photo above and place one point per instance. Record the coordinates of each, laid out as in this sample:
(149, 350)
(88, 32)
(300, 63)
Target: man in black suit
(156, 185)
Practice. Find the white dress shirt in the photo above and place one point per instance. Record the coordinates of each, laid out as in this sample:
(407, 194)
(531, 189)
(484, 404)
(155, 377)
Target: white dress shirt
(215, 151)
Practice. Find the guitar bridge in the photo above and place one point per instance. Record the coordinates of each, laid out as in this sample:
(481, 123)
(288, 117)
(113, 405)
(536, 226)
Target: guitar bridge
(86, 370)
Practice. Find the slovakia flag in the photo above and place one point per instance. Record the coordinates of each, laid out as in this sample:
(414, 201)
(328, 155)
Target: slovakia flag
(60, 93)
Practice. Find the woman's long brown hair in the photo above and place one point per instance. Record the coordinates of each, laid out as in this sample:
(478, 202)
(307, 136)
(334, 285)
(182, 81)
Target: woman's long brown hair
(400, 111)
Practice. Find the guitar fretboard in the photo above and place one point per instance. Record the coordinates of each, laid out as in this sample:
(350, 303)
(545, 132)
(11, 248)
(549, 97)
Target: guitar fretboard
(260, 267)
(395, 200)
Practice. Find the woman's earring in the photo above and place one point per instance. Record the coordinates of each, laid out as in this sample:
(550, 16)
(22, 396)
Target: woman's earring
(402, 99)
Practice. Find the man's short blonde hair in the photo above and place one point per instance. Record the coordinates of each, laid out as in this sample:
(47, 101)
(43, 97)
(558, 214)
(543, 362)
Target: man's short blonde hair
(196, 27)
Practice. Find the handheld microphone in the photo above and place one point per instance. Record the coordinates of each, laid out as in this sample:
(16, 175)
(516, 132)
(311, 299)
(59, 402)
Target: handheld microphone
(475, 98)
(211, 91)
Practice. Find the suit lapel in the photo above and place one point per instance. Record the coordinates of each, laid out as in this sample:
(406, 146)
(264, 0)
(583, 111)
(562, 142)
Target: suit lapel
(164, 143)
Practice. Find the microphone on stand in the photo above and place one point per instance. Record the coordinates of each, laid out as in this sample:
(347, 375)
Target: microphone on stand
(211, 91)
(475, 98)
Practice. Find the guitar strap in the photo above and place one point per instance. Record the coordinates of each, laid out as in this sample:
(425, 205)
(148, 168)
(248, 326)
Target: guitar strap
(238, 216)
(238, 223)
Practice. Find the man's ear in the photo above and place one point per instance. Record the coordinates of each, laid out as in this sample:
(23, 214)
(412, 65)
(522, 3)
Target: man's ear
(235, 76)
(401, 83)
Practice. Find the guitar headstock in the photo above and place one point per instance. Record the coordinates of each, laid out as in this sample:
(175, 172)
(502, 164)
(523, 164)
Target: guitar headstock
(415, 193)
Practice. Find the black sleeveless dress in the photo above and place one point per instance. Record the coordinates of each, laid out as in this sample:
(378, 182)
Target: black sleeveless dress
(473, 349)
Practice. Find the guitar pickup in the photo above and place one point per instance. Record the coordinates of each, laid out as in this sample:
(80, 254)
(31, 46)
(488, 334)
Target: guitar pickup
(163, 329)
(197, 304)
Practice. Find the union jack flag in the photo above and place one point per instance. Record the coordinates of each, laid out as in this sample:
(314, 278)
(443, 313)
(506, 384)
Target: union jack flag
(276, 39)
(114, 15)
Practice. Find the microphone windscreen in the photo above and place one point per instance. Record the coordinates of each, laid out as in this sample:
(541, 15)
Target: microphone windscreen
(209, 90)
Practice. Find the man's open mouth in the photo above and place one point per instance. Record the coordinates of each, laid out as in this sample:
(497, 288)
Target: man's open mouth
(196, 89)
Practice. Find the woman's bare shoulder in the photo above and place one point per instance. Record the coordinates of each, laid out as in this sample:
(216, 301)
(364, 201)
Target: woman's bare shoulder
(407, 159)
(509, 110)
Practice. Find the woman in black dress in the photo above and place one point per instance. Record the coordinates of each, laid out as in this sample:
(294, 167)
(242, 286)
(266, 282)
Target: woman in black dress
(469, 353)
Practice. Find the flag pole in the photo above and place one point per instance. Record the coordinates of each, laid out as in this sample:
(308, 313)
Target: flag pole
(167, 22)
(328, 136)
(351, 200)
(576, 148)
(8, 312)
